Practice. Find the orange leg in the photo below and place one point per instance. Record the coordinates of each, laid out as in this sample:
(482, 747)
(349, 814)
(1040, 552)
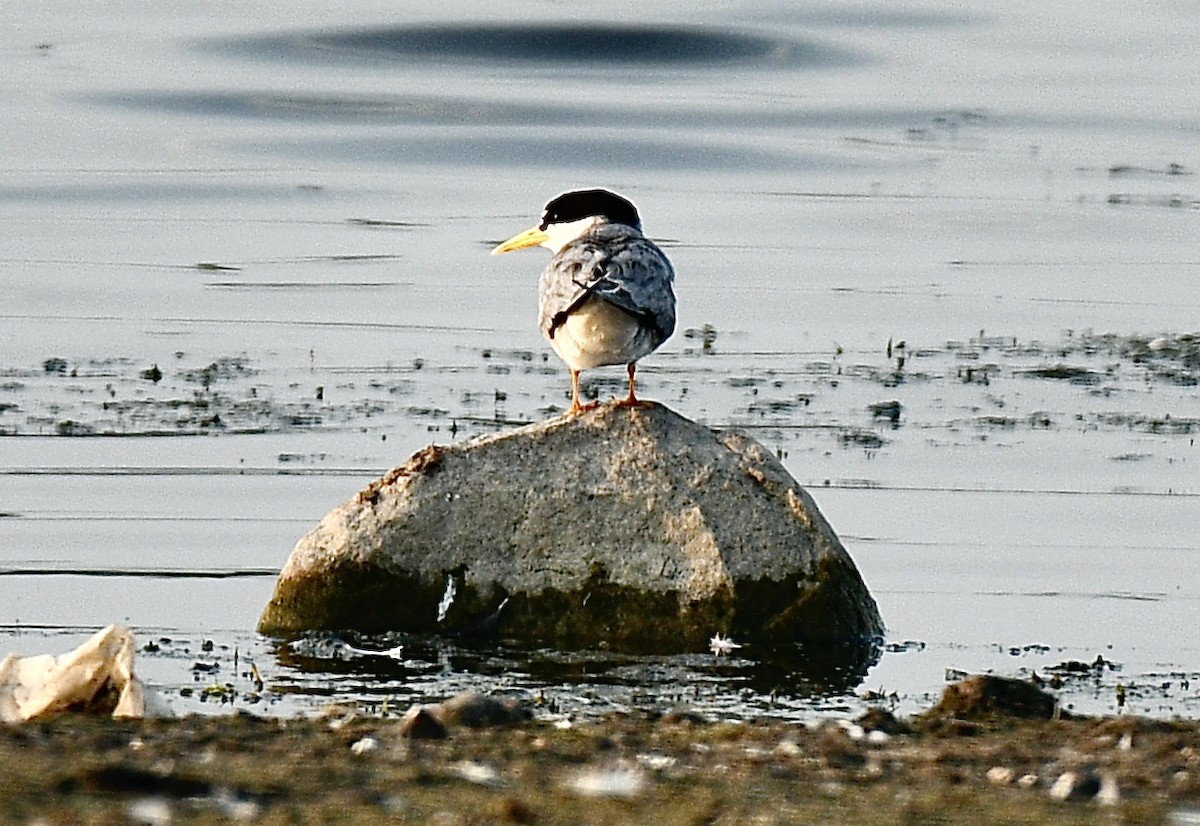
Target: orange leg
(576, 407)
(631, 400)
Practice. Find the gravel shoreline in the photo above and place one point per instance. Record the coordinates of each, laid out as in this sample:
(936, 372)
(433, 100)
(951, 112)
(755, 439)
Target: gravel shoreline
(639, 768)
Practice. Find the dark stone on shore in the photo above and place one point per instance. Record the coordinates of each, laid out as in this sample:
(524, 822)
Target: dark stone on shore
(634, 529)
(985, 696)
(475, 710)
(470, 709)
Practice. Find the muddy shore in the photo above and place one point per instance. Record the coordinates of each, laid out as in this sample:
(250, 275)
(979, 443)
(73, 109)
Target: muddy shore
(669, 768)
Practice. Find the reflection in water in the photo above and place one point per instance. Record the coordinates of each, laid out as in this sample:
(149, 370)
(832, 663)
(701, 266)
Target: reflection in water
(787, 682)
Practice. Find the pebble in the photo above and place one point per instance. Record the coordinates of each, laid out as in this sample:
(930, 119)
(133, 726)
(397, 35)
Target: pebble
(1075, 786)
(657, 762)
(476, 772)
(1110, 793)
(1000, 775)
(364, 745)
(151, 811)
(619, 782)
(788, 748)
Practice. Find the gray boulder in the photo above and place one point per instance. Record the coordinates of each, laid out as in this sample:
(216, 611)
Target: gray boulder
(635, 529)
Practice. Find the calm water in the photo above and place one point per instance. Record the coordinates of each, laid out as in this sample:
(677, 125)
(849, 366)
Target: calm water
(272, 212)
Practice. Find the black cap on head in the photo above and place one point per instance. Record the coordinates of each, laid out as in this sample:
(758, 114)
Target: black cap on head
(585, 203)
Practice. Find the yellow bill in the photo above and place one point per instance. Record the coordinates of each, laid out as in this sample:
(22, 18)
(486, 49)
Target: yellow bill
(531, 237)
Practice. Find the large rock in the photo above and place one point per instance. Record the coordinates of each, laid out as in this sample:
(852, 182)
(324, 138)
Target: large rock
(632, 528)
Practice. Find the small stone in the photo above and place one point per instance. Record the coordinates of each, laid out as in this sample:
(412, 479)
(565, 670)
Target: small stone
(1064, 786)
(476, 772)
(1000, 775)
(611, 782)
(788, 748)
(1110, 793)
(655, 762)
(150, 811)
(364, 745)
(1075, 786)
(1027, 781)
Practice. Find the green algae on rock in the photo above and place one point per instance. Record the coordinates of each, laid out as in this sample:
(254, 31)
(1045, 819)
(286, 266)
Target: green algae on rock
(635, 529)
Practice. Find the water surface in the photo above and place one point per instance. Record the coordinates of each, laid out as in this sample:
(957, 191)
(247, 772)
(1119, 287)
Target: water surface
(289, 222)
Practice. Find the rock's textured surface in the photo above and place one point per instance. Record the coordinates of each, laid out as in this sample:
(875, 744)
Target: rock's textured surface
(635, 528)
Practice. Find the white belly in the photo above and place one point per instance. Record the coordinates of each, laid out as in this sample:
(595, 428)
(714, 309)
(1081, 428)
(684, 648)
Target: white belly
(598, 333)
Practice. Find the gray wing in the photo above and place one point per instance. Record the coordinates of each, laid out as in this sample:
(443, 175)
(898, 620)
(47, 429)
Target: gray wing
(623, 268)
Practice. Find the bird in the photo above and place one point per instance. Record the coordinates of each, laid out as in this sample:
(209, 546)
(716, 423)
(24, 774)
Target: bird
(607, 295)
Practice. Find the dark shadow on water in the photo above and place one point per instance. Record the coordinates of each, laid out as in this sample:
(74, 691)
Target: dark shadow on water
(605, 46)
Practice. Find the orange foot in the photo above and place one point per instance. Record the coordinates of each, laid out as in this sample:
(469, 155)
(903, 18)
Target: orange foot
(631, 401)
(576, 407)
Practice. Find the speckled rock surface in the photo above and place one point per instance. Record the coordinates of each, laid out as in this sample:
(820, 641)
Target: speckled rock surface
(633, 528)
